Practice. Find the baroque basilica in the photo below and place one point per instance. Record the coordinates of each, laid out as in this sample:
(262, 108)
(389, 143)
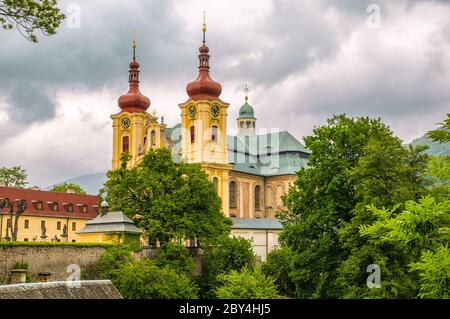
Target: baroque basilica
(250, 171)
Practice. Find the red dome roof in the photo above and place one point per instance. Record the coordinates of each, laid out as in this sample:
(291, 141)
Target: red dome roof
(133, 100)
(203, 88)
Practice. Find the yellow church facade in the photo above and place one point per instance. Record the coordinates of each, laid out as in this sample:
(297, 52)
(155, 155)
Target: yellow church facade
(251, 170)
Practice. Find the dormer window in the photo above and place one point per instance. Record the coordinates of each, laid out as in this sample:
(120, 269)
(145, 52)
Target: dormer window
(37, 204)
(53, 206)
(82, 207)
(68, 207)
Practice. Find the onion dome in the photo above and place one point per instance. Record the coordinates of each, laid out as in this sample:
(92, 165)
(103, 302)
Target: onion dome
(133, 100)
(203, 88)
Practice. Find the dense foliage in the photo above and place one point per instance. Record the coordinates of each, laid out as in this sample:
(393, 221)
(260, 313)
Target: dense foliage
(64, 187)
(145, 280)
(29, 16)
(278, 266)
(168, 200)
(353, 163)
(111, 261)
(246, 284)
(175, 257)
(230, 253)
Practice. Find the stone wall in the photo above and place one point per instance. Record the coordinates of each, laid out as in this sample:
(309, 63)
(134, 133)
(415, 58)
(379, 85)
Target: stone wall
(53, 259)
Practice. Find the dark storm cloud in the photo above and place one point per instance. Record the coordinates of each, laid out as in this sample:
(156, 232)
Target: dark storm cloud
(293, 37)
(94, 55)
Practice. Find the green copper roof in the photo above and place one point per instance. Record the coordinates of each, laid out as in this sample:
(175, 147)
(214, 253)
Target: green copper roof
(272, 154)
(246, 111)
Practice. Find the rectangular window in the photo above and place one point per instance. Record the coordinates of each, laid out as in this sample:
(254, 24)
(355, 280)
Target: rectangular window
(25, 239)
(58, 225)
(55, 207)
(8, 222)
(125, 144)
(26, 224)
(39, 205)
(74, 241)
(42, 223)
(192, 134)
(84, 209)
(74, 226)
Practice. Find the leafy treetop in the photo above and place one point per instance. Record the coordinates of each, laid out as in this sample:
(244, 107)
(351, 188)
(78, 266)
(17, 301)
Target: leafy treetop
(13, 177)
(30, 15)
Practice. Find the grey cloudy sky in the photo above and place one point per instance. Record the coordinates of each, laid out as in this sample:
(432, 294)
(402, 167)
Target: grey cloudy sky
(303, 61)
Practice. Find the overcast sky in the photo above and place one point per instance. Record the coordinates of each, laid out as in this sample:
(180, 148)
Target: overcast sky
(302, 60)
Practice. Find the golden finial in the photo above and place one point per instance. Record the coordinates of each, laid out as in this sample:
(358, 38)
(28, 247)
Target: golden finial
(204, 26)
(133, 44)
(246, 90)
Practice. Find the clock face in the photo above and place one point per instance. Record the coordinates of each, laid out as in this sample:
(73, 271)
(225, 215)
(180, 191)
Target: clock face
(215, 111)
(192, 111)
(125, 122)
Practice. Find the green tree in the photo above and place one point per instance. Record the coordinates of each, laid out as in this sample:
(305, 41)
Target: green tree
(64, 187)
(15, 209)
(13, 177)
(353, 162)
(419, 234)
(441, 134)
(176, 257)
(29, 16)
(278, 266)
(174, 200)
(112, 260)
(246, 284)
(145, 280)
(230, 253)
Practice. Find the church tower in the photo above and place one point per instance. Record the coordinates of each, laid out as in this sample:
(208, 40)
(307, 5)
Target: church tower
(135, 130)
(204, 126)
(246, 121)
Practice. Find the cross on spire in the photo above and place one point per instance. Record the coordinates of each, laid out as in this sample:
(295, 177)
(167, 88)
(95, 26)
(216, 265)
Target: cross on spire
(246, 90)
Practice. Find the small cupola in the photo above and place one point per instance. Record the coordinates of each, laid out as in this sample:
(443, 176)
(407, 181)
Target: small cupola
(246, 120)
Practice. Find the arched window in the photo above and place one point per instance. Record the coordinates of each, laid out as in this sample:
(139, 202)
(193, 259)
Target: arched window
(233, 193)
(153, 138)
(192, 134)
(216, 183)
(214, 134)
(125, 144)
(257, 197)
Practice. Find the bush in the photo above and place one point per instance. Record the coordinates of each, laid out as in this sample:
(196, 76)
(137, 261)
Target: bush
(230, 254)
(175, 257)
(246, 284)
(278, 266)
(434, 273)
(112, 260)
(21, 265)
(145, 280)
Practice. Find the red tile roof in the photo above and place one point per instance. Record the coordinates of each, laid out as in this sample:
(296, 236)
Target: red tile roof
(49, 199)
